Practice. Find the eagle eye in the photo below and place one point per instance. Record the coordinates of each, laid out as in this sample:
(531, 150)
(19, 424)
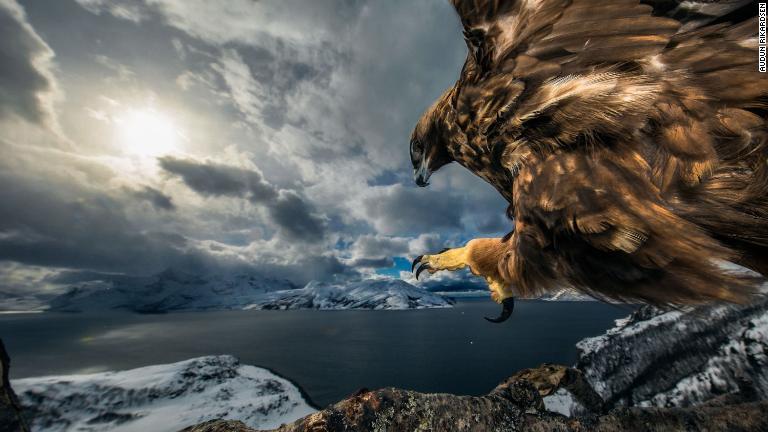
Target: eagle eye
(417, 148)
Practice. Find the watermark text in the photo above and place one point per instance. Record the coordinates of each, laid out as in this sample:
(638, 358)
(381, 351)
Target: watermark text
(761, 37)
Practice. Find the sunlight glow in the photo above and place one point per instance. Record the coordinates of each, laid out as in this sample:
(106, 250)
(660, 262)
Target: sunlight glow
(147, 132)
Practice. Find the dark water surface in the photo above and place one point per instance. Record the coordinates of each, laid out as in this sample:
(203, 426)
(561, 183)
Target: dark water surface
(331, 354)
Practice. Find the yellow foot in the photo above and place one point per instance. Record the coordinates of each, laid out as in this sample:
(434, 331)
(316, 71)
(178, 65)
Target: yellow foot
(447, 259)
(482, 257)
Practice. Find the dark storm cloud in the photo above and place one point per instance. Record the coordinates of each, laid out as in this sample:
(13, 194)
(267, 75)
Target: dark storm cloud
(374, 263)
(25, 82)
(92, 235)
(367, 246)
(295, 218)
(155, 197)
(214, 179)
(41, 227)
(398, 209)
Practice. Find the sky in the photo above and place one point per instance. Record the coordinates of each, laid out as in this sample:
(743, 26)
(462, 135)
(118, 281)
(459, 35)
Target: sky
(241, 136)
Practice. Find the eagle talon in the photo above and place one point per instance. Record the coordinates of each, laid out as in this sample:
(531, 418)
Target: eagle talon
(507, 306)
(416, 261)
(439, 261)
(423, 267)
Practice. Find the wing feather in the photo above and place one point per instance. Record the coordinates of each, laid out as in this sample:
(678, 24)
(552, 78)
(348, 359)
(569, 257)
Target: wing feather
(564, 73)
(554, 30)
(607, 113)
(595, 222)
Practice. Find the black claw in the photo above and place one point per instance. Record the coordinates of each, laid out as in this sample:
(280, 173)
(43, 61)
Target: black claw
(416, 261)
(507, 306)
(425, 266)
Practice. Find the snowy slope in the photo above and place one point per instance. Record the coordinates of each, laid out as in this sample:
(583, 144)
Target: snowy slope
(161, 398)
(566, 294)
(12, 302)
(367, 294)
(168, 291)
(175, 291)
(680, 358)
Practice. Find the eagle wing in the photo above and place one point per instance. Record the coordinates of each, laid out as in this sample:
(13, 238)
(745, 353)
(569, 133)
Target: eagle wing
(628, 96)
(565, 72)
(551, 37)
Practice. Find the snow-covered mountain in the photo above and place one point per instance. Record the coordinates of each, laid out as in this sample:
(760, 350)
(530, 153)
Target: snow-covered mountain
(161, 398)
(15, 302)
(177, 291)
(168, 291)
(367, 294)
(566, 294)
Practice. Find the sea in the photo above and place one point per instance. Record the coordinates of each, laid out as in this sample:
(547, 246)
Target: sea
(328, 354)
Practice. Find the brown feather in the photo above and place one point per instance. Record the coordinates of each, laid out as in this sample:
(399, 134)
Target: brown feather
(630, 139)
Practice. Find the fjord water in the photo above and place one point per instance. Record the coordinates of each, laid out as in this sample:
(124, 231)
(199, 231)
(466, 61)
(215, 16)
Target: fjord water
(330, 354)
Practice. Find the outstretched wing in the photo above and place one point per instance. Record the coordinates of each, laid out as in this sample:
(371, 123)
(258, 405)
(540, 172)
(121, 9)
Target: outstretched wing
(554, 70)
(553, 37)
(557, 73)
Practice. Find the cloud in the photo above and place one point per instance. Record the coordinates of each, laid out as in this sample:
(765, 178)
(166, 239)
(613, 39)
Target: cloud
(295, 118)
(376, 246)
(64, 214)
(89, 232)
(247, 22)
(376, 250)
(247, 93)
(155, 197)
(294, 217)
(397, 209)
(27, 86)
(214, 179)
(123, 9)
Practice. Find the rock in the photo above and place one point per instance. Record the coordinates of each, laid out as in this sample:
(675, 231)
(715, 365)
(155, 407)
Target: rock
(219, 426)
(680, 358)
(515, 405)
(10, 410)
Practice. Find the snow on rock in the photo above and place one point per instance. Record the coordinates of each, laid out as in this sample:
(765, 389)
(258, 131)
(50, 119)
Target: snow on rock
(177, 291)
(562, 402)
(161, 398)
(680, 358)
(366, 294)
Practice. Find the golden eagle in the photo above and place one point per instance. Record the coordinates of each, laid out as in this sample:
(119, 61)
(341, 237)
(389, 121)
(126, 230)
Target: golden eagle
(629, 138)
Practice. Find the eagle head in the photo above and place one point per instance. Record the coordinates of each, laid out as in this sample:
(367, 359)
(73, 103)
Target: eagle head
(431, 140)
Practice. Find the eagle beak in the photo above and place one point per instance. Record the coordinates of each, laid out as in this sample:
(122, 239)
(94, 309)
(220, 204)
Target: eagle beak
(507, 306)
(421, 175)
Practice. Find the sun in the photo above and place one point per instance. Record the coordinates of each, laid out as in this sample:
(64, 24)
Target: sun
(147, 132)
